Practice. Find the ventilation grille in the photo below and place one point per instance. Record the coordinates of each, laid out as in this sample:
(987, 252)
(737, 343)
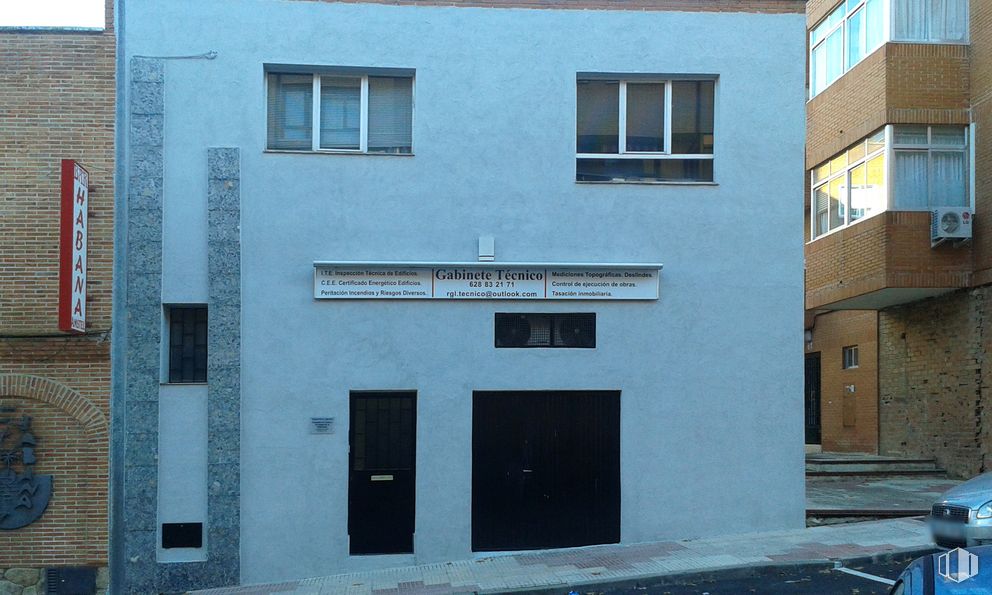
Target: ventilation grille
(182, 535)
(70, 581)
(575, 331)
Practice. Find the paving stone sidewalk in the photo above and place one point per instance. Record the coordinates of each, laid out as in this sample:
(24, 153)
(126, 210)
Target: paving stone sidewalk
(611, 563)
(912, 495)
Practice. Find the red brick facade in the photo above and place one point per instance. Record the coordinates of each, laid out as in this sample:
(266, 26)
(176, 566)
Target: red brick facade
(57, 89)
(931, 368)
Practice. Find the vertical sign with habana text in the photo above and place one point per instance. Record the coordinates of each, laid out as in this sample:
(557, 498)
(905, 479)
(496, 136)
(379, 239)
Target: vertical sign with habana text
(72, 247)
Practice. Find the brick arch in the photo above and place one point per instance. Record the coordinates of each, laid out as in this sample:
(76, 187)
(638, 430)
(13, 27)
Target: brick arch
(83, 410)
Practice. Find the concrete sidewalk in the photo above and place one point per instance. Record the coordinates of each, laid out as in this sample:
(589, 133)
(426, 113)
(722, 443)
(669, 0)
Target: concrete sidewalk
(873, 496)
(563, 569)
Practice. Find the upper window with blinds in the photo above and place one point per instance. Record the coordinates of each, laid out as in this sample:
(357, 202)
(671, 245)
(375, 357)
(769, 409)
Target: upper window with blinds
(340, 113)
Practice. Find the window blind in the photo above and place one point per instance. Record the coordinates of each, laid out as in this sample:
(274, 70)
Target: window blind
(340, 112)
(290, 119)
(390, 121)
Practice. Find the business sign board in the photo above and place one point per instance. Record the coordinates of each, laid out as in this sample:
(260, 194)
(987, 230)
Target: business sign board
(470, 281)
(72, 247)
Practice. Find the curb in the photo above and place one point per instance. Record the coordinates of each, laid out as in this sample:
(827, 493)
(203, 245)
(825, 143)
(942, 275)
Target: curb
(727, 572)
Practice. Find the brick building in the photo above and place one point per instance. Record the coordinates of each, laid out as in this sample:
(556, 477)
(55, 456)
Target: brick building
(57, 89)
(897, 127)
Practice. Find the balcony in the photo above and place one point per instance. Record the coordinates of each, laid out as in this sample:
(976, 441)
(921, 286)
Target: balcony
(882, 261)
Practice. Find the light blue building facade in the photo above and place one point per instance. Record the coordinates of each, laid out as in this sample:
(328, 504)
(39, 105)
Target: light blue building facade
(533, 145)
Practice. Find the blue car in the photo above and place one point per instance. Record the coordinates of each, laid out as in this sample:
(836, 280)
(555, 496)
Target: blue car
(956, 572)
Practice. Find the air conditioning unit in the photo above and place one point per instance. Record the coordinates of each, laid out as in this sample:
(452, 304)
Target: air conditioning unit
(950, 224)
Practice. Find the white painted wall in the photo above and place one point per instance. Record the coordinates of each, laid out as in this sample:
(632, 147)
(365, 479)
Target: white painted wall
(182, 464)
(710, 374)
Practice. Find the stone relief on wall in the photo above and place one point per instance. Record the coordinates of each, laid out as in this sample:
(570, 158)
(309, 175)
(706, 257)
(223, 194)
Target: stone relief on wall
(23, 495)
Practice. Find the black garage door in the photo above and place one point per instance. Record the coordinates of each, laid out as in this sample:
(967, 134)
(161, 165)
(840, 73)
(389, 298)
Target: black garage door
(545, 469)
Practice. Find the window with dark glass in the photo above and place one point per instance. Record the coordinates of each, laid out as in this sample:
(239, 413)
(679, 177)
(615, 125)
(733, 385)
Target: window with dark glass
(850, 357)
(644, 130)
(187, 326)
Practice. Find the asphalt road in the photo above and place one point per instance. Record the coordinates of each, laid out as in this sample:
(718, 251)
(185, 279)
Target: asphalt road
(778, 581)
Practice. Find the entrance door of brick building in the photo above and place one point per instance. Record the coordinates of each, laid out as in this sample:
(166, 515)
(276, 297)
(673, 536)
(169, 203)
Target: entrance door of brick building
(545, 469)
(812, 398)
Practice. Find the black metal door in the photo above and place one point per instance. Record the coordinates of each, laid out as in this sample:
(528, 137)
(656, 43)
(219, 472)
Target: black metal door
(813, 398)
(545, 469)
(382, 461)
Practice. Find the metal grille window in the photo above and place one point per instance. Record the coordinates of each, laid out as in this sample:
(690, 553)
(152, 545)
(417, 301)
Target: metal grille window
(577, 331)
(850, 357)
(187, 344)
(644, 130)
(340, 112)
(382, 432)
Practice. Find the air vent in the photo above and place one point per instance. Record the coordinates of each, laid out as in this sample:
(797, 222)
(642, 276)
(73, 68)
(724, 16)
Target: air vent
(182, 535)
(70, 581)
(576, 331)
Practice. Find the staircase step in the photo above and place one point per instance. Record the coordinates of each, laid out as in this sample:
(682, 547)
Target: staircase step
(843, 466)
(936, 473)
(827, 513)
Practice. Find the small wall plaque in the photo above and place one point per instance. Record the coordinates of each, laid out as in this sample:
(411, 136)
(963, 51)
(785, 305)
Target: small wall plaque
(321, 425)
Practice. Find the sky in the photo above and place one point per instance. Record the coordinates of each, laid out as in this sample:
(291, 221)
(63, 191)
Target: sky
(52, 13)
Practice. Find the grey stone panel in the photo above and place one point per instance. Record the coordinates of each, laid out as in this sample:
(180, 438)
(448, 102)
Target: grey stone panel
(143, 274)
(228, 514)
(147, 98)
(144, 70)
(146, 130)
(144, 288)
(141, 449)
(224, 163)
(224, 363)
(142, 227)
(225, 448)
(143, 259)
(146, 160)
(140, 549)
(224, 195)
(144, 193)
(142, 413)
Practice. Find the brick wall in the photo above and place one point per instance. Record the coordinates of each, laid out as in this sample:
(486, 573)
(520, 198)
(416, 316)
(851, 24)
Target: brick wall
(849, 420)
(897, 84)
(981, 97)
(817, 10)
(766, 6)
(57, 93)
(931, 370)
(63, 386)
(889, 250)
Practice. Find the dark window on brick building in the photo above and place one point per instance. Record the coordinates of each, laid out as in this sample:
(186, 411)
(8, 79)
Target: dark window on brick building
(850, 358)
(187, 326)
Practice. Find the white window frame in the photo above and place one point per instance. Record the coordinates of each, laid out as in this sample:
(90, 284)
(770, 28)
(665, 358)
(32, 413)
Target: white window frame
(363, 147)
(930, 148)
(622, 120)
(891, 30)
(888, 35)
(849, 357)
(845, 46)
(846, 174)
(889, 149)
